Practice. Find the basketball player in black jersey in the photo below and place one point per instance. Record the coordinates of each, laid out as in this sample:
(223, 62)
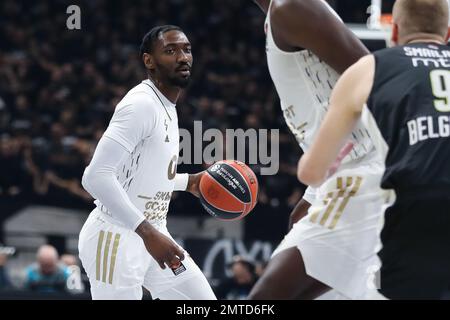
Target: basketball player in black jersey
(407, 90)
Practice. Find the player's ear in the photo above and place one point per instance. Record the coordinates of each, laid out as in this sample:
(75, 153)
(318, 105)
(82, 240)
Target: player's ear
(394, 36)
(148, 60)
(448, 35)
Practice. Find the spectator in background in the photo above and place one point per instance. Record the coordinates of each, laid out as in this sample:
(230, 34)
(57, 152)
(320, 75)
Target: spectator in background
(5, 282)
(240, 284)
(47, 275)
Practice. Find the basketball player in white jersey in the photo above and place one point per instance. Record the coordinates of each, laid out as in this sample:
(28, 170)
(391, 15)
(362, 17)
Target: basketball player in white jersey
(332, 244)
(124, 243)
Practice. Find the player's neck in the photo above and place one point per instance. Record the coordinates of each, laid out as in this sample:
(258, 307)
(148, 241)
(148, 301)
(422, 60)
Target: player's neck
(170, 92)
(424, 38)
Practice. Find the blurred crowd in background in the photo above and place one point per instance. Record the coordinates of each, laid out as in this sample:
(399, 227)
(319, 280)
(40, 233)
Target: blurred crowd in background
(60, 275)
(50, 273)
(59, 88)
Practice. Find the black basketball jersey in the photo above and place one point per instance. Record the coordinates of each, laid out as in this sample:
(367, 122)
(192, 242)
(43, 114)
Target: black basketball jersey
(410, 102)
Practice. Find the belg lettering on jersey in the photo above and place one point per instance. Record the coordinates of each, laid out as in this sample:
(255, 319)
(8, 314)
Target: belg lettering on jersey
(424, 128)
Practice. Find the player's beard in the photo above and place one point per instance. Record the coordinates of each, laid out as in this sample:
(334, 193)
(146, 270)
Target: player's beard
(173, 78)
(179, 81)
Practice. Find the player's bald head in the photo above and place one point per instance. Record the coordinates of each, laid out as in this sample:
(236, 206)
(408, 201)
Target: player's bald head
(421, 17)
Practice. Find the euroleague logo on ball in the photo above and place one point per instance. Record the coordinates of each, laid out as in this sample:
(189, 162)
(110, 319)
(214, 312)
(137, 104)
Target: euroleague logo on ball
(228, 190)
(214, 168)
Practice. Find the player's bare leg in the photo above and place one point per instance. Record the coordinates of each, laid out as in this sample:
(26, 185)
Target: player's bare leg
(285, 278)
(271, 287)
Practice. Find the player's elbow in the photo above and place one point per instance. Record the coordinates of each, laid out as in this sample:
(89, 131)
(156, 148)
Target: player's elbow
(309, 178)
(308, 174)
(95, 177)
(86, 179)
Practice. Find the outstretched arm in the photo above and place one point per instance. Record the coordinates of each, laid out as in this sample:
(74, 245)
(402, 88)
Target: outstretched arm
(347, 100)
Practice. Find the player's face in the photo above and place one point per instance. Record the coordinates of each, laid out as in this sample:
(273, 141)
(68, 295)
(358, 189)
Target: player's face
(173, 58)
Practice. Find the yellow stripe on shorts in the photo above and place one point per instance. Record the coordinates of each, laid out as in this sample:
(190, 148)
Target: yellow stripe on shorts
(344, 202)
(105, 255)
(113, 257)
(99, 252)
(330, 208)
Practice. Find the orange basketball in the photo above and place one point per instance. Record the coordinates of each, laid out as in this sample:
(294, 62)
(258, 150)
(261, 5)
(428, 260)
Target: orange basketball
(228, 190)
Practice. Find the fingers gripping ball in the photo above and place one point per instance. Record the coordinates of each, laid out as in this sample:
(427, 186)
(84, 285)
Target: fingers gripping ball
(228, 190)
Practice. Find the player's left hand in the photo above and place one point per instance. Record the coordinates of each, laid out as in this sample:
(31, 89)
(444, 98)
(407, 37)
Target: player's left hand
(194, 183)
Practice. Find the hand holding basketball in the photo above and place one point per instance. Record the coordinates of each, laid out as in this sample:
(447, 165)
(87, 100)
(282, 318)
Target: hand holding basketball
(194, 183)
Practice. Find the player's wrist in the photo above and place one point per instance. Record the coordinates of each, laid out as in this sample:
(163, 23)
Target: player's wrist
(145, 230)
(194, 183)
(181, 182)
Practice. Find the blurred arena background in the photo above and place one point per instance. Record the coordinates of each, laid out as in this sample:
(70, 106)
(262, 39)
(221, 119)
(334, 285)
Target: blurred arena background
(58, 90)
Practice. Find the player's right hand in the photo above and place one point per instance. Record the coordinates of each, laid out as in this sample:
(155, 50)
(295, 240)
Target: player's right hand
(161, 248)
(194, 183)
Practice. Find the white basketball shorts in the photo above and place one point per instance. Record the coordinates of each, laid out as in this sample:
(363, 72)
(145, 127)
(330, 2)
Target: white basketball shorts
(118, 266)
(339, 236)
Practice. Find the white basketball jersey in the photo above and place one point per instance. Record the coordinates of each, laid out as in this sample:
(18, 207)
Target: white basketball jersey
(147, 175)
(304, 84)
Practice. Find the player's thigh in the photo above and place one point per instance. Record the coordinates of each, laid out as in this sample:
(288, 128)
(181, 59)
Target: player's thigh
(115, 260)
(103, 291)
(185, 283)
(285, 278)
